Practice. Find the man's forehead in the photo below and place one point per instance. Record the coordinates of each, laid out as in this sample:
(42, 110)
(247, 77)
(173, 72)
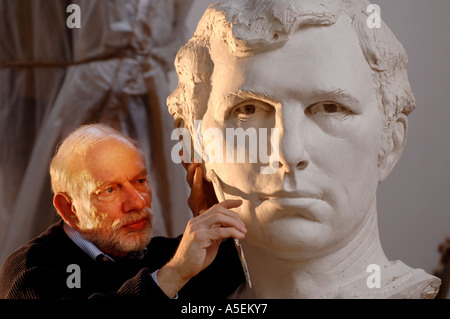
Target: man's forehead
(113, 155)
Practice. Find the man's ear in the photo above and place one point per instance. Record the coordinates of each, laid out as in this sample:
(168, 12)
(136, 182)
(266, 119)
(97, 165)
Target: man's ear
(396, 144)
(65, 208)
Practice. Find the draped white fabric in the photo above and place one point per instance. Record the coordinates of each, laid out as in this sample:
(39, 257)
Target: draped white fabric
(114, 70)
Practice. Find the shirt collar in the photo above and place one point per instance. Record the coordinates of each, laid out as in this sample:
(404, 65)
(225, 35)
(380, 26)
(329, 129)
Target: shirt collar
(92, 251)
(85, 245)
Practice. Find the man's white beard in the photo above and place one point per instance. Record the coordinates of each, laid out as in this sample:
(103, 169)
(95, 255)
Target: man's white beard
(115, 238)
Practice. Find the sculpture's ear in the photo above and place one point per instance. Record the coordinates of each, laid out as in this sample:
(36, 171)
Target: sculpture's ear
(192, 149)
(192, 144)
(186, 141)
(65, 208)
(396, 144)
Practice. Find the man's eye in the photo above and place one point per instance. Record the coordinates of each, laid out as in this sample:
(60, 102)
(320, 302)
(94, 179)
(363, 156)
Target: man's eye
(107, 194)
(141, 180)
(107, 191)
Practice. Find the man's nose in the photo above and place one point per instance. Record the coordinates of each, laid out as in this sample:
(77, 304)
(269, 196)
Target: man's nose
(292, 126)
(134, 199)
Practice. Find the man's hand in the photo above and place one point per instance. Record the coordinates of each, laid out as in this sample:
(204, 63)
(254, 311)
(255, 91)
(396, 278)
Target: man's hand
(202, 195)
(200, 244)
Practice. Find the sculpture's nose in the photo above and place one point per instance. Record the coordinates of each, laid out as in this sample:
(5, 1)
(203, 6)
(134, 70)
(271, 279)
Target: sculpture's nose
(292, 152)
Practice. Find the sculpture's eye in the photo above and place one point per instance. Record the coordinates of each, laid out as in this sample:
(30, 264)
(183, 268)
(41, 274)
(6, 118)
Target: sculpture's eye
(248, 109)
(329, 108)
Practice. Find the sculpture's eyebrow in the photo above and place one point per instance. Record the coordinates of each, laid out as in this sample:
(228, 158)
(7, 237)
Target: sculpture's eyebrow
(336, 95)
(246, 94)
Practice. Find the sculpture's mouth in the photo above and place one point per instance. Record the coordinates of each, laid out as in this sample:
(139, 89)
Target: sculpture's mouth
(302, 194)
(306, 207)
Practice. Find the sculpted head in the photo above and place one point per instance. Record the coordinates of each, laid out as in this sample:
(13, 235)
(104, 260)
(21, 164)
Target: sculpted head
(336, 90)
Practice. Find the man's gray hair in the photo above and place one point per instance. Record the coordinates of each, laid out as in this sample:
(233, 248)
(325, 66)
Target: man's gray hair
(65, 173)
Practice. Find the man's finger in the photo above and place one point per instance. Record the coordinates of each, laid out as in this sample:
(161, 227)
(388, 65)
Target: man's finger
(190, 171)
(201, 211)
(224, 218)
(218, 216)
(185, 165)
(198, 179)
(225, 232)
(230, 203)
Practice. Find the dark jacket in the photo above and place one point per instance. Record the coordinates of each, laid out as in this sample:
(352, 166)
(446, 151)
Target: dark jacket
(39, 270)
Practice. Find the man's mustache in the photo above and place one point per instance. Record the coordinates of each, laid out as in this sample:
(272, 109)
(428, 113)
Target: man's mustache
(133, 217)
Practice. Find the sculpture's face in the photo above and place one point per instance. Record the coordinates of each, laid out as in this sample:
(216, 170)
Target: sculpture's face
(317, 90)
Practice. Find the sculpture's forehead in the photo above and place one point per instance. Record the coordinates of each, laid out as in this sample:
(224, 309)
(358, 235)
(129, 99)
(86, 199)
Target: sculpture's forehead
(316, 57)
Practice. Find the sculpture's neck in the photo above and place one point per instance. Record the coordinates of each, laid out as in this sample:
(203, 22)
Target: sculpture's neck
(314, 277)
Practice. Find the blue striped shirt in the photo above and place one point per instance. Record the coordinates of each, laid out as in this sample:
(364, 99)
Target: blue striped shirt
(90, 249)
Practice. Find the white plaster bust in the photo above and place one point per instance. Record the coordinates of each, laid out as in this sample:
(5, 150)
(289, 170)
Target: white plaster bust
(338, 93)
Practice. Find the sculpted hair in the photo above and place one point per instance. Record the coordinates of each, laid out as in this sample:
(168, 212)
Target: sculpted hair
(248, 27)
(66, 168)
